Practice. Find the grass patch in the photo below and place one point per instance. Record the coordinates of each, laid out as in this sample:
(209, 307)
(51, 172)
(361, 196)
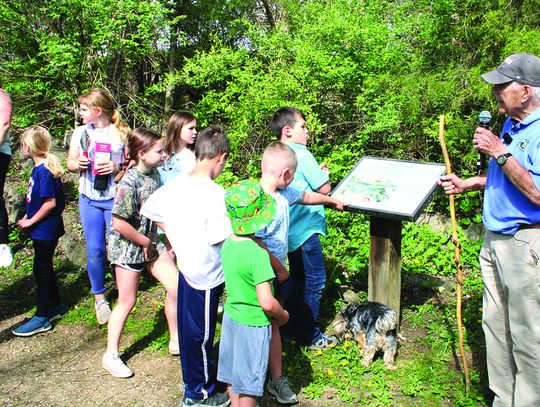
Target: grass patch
(425, 376)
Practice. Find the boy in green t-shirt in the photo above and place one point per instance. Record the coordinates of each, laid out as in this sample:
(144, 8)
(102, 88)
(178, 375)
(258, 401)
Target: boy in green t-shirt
(246, 329)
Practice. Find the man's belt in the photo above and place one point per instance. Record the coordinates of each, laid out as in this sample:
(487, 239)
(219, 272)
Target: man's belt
(533, 226)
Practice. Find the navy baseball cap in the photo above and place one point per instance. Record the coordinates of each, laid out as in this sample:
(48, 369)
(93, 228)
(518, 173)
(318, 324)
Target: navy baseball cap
(522, 68)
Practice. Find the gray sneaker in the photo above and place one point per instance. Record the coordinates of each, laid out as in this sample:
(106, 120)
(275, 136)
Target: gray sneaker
(216, 400)
(282, 391)
(324, 342)
(114, 365)
(103, 311)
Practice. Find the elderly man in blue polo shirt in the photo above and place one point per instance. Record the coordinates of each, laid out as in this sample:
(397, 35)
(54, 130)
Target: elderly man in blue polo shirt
(509, 258)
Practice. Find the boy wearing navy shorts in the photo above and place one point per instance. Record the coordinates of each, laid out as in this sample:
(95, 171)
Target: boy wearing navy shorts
(190, 209)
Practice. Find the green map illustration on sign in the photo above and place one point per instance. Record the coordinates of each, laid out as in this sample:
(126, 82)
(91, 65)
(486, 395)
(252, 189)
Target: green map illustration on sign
(363, 189)
(387, 187)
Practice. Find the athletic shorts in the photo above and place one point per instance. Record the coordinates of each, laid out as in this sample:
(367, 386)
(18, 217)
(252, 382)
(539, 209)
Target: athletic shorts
(243, 356)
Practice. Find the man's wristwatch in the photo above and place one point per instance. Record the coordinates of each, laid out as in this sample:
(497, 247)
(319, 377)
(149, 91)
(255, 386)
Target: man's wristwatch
(503, 158)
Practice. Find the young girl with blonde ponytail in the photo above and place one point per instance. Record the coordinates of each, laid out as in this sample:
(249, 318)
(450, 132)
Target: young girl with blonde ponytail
(43, 221)
(96, 153)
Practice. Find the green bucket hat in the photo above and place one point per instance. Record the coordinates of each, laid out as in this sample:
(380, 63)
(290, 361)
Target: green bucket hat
(249, 207)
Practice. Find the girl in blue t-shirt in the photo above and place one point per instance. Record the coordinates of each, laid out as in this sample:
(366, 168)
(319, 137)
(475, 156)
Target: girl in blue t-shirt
(43, 221)
(179, 145)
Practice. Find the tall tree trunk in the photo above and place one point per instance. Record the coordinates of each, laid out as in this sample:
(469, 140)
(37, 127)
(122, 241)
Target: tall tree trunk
(179, 8)
(269, 15)
(171, 68)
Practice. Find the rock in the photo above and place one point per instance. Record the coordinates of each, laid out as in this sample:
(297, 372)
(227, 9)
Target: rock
(475, 231)
(14, 198)
(350, 296)
(329, 393)
(443, 224)
(437, 222)
(72, 243)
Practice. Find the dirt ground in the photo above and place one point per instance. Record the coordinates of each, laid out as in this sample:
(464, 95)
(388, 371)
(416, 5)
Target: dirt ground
(63, 368)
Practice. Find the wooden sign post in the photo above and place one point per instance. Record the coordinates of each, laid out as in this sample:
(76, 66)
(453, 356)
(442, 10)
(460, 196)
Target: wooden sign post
(384, 282)
(390, 191)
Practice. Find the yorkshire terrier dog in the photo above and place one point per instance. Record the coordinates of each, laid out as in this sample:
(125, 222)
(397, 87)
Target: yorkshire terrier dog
(373, 325)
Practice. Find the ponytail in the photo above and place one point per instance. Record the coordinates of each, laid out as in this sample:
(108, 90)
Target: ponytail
(38, 140)
(121, 127)
(53, 164)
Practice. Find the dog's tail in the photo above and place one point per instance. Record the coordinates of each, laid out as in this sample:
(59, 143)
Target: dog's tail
(387, 321)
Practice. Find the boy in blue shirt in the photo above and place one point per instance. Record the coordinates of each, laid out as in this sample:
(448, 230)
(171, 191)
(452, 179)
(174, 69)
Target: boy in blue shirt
(279, 165)
(307, 224)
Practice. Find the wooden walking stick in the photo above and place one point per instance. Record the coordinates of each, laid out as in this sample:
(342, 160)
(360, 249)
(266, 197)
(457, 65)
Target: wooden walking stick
(457, 257)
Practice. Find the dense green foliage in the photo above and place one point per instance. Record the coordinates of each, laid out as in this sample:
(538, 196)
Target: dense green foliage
(372, 76)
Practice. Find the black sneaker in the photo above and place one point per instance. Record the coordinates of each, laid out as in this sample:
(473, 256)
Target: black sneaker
(216, 400)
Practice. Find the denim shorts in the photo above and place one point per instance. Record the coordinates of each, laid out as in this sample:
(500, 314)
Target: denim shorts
(243, 356)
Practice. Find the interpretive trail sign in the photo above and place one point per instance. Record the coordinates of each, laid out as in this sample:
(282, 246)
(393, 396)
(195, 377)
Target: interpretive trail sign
(390, 191)
(389, 188)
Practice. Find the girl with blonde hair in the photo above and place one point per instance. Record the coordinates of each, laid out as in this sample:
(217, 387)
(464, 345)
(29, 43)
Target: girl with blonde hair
(96, 152)
(45, 202)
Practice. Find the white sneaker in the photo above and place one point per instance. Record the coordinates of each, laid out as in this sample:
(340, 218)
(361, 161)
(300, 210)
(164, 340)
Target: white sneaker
(5, 256)
(112, 363)
(103, 311)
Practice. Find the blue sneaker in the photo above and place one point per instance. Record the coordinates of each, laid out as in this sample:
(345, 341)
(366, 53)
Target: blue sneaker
(57, 312)
(34, 326)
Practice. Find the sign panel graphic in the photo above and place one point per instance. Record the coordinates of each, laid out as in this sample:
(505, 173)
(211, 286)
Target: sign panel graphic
(389, 188)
